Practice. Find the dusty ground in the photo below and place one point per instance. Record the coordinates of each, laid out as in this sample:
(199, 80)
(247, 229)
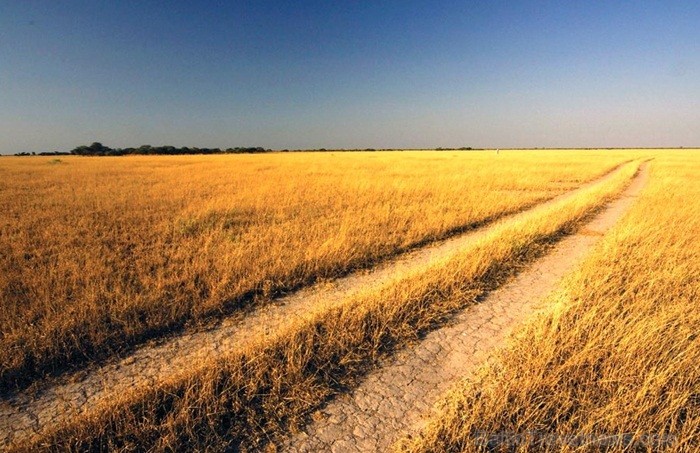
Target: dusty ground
(26, 414)
(392, 400)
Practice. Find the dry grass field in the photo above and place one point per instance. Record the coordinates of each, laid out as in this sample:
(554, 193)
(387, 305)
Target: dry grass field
(614, 365)
(100, 254)
(245, 397)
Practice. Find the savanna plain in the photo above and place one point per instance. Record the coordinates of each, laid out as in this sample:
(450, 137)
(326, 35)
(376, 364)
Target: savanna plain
(103, 259)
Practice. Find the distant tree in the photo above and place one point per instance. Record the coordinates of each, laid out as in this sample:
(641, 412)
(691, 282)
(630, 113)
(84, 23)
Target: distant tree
(99, 149)
(81, 151)
(96, 149)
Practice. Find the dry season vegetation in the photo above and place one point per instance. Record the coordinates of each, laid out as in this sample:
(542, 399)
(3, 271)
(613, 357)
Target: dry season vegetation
(246, 396)
(616, 363)
(100, 254)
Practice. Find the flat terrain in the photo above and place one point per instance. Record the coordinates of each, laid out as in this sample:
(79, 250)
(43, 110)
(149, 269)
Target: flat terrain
(98, 255)
(314, 301)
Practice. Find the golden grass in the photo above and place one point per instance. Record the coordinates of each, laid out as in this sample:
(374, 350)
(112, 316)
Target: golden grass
(99, 254)
(619, 353)
(243, 398)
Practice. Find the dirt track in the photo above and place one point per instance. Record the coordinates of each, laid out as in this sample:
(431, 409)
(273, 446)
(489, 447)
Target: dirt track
(391, 401)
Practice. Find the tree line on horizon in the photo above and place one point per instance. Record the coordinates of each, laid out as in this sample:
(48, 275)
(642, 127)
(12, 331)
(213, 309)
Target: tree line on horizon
(98, 149)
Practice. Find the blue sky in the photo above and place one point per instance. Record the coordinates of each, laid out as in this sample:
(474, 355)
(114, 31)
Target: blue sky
(311, 74)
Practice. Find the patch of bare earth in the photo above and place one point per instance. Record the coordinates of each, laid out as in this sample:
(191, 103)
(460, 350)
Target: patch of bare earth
(397, 397)
(27, 414)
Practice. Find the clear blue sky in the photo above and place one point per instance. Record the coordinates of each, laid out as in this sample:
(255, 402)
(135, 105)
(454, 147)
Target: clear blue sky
(311, 74)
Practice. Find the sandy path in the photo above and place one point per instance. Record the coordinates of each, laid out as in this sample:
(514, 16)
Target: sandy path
(26, 414)
(392, 400)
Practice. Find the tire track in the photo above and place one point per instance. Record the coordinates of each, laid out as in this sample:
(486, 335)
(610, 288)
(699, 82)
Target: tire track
(394, 399)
